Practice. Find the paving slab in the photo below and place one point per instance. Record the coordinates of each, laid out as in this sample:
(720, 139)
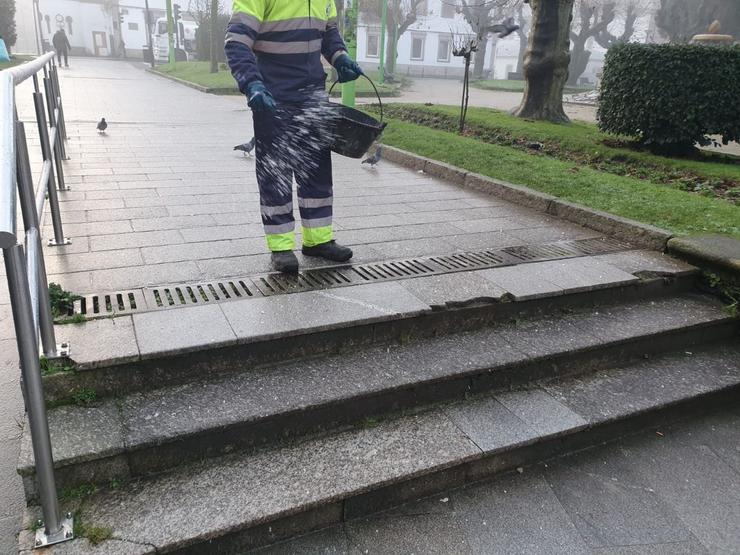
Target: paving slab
(453, 289)
(634, 262)
(352, 461)
(182, 330)
(524, 282)
(111, 340)
(610, 505)
(270, 317)
(610, 394)
(540, 411)
(88, 432)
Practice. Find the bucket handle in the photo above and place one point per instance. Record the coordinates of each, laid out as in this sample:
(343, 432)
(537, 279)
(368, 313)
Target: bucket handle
(380, 102)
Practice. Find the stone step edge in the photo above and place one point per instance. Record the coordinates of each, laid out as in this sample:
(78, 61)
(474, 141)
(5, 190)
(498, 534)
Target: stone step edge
(271, 529)
(118, 377)
(625, 229)
(170, 452)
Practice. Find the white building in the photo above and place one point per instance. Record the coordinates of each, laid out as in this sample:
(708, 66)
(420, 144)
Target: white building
(90, 25)
(425, 48)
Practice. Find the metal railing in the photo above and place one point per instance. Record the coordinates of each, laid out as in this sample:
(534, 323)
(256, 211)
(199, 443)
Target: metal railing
(25, 269)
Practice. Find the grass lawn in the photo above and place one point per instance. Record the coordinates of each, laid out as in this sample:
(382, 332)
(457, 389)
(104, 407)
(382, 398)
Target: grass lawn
(709, 173)
(667, 207)
(518, 86)
(199, 73)
(14, 61)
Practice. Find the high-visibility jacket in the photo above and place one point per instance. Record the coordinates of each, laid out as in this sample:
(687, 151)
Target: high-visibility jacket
(281, 43)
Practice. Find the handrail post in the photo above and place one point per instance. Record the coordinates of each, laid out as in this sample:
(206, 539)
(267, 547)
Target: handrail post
(55, 529)
(36, 270)
(56, 219)
(56, 149)
(60, 120)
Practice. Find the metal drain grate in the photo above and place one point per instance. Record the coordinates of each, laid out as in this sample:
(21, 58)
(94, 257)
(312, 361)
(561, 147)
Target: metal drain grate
(201, 293)
(178, 295)
(121, 302)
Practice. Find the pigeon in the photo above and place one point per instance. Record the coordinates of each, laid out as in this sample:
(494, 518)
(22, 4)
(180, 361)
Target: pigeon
(102, 125)
(374, 159)
(246, 148)
(506, 28)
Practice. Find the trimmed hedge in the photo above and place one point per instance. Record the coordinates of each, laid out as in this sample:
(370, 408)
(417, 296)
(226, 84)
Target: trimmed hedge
(671, 96)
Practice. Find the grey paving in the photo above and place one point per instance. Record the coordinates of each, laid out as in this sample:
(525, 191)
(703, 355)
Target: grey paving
(450, 289)
(540, 411)
(253, 319)
(355, 460)
(79, 434)
(609, 394)
(110, 339)
(182, 329)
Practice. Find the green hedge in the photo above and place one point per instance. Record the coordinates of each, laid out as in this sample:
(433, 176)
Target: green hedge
(671, 96)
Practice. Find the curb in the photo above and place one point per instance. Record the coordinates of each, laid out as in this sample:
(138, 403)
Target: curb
(201, 88)
(717, 252)
(636, 233)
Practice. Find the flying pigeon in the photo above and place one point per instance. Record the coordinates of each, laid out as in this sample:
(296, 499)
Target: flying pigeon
(246, 148)
(374, 159)
(506, 28)
(102, 125)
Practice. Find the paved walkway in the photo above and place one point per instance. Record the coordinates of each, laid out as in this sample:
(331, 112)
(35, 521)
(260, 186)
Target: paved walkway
(162, 198)
(671, 491)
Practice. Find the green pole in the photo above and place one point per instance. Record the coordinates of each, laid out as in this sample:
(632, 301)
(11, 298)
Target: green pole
(170, 37)
(350, 38)
(381, 53)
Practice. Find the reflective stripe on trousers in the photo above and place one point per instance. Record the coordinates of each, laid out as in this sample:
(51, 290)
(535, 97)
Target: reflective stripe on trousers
(294, 142)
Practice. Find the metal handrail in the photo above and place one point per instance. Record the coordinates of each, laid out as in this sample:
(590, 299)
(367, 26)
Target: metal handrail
(25, 268)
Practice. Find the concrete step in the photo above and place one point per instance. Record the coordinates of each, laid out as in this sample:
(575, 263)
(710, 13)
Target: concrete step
(148, 432)
(249, 499)
(116, 356)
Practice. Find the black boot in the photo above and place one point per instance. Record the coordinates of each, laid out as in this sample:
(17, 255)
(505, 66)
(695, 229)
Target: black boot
(331, 251)
(285, 262)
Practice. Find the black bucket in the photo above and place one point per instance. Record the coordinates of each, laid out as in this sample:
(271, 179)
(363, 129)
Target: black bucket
(354, 132)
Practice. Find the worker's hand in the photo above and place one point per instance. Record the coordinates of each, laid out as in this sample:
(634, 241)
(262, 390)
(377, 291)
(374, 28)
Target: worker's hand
(347, 68)
(259, 98)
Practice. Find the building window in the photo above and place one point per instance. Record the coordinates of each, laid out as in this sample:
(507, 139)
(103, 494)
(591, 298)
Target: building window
(417, 47)
(443, 50)
(373, 43)
(133, 26)
(449, 9)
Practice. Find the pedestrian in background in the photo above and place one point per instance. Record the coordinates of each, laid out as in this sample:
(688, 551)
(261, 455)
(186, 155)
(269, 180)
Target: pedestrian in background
(62, 47)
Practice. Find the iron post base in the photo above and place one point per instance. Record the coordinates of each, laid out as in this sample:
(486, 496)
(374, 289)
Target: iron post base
(53, 242)
(66, 533)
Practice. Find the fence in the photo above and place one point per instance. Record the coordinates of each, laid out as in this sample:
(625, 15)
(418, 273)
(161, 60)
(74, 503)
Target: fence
(25, 269)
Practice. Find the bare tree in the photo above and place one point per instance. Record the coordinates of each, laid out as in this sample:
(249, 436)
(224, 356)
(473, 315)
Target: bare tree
(546, 61)
(482, 16)
(401, 14)
(593, 20)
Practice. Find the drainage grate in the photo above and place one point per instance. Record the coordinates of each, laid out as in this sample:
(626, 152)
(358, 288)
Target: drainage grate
(172, 296)
(121, 302)
(201, 293)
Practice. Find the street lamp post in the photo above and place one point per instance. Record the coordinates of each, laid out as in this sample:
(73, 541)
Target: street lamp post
(350, 37)
(148, 23)
(383, 23)
(170, 37)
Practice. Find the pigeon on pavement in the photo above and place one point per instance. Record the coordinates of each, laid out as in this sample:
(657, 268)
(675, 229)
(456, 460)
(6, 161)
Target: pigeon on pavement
(506, 28)
(246, 148)
(374, 159)
(102, 125)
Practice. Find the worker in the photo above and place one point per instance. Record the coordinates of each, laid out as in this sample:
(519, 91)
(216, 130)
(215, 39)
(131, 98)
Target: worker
(62, 46)
(274, 50)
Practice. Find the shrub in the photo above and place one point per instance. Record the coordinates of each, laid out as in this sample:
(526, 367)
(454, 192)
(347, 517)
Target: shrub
(671, 96)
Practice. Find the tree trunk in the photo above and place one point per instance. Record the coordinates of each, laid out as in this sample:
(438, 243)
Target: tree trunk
(480, 58)
(546, 61)
(390, 51)
(523, 39)
(579, 58)
(214, 39)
